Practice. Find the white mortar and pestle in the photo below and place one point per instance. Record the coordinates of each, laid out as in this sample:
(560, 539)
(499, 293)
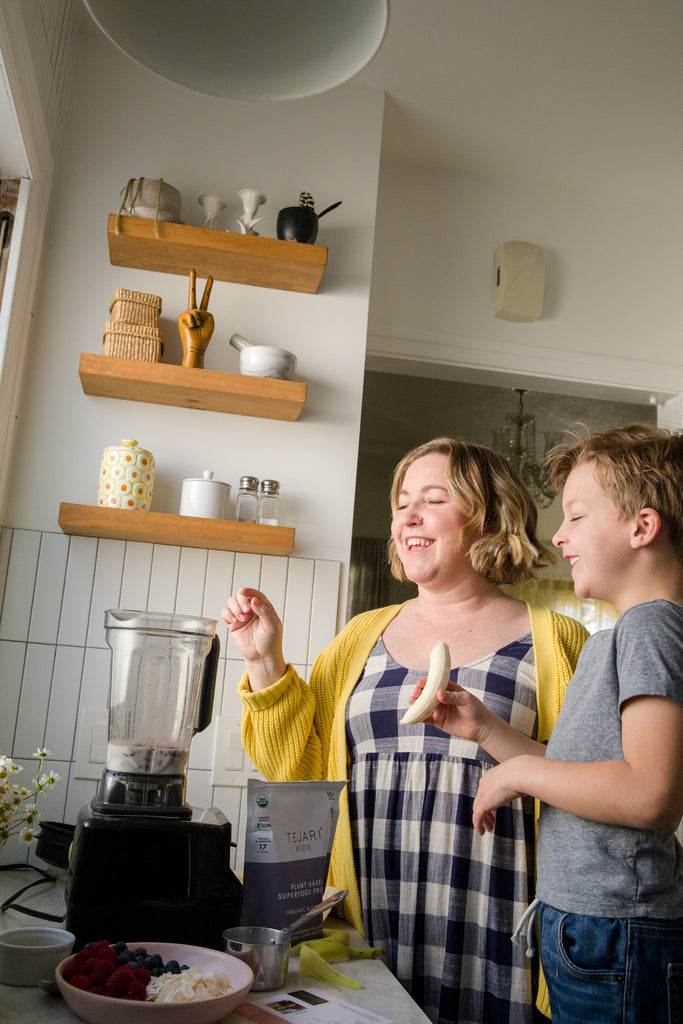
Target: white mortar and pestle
(266, 950)
(263, 360)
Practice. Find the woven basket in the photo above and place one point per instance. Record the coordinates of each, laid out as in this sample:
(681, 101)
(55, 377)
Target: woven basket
(131, 341)
(135, 308)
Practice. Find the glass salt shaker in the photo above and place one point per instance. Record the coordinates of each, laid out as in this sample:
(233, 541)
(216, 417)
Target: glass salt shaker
(247, 500)
(269, 503)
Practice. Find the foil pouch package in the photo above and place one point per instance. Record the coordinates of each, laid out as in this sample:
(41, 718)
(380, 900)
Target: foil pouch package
(290, 830)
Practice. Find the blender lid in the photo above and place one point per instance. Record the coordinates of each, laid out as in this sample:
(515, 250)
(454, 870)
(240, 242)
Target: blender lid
(162, 622)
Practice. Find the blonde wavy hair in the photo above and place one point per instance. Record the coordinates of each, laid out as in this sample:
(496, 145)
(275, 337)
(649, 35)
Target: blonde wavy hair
(503, 516)
(637, 466)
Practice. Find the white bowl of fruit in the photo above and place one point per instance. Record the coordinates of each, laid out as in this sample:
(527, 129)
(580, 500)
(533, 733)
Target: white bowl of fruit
(150, 982)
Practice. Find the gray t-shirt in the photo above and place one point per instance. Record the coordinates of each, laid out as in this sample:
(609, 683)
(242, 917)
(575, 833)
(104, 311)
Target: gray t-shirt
(585, 867)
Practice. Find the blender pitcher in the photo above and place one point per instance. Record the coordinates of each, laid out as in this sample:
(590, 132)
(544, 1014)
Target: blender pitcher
(163, 675)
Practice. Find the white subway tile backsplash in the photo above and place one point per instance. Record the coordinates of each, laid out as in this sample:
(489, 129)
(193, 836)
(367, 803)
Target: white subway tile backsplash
(231, 704)
(20, 585)
(12, 656)
(274, 581)
(164, 578)
(55, 663)
(324, 608)
(298, 600)
(95, 678)
(106, 587)
(34, 700)
(49, 588)
(66, 685)
(137, 566)
(217, 589)
(191, 581)
(80, 573)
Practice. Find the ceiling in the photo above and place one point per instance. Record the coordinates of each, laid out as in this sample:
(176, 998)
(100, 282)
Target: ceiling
(581, 94)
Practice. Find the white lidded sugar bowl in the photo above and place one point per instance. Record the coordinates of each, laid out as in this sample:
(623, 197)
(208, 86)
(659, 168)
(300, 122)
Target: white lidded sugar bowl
(126, 477)
(204, 497)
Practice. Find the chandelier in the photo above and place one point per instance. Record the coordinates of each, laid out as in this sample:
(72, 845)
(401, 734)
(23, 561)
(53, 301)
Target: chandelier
(516, 442)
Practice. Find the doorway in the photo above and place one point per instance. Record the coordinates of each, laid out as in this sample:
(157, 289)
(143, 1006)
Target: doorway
(400, 411)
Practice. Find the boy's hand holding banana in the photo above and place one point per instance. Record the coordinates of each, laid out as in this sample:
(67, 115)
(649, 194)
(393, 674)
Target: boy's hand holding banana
(437, 679)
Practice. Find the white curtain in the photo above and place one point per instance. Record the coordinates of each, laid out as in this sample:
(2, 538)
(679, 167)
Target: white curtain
(559, 595)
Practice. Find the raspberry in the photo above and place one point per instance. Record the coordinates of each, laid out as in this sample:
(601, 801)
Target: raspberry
(100, 946)
(102, 970)
(98, 990)
(143, 975)
(80, 981)
(137, 991)
(119, 982)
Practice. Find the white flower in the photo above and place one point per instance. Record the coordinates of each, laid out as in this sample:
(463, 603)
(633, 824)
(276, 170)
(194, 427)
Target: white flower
(17, 814)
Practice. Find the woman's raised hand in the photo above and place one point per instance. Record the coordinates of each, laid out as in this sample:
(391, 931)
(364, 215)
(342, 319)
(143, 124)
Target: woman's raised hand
(256, 630)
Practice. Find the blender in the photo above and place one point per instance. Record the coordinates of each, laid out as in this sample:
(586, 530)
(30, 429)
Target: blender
(144, 863)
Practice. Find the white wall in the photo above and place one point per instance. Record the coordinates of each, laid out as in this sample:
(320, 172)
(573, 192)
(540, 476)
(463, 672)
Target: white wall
(613, 305)
(125, 122)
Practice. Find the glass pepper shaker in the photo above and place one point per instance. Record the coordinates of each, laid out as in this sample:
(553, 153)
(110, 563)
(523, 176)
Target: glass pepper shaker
(269, 503)
(247, 500)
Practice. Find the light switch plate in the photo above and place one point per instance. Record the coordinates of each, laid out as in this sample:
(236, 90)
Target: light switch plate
(231, 766)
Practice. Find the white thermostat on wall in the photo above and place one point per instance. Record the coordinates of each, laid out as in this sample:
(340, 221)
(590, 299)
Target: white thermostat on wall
(520, 281)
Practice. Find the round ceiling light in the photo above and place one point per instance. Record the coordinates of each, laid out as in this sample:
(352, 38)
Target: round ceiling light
(247, 49)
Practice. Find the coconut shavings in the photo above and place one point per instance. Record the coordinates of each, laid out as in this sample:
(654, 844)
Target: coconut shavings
(187, 987)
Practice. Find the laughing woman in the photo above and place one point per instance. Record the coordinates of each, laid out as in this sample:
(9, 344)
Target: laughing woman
(441, 899)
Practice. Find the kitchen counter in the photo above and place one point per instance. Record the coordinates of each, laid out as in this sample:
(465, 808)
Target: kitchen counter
(382, 993)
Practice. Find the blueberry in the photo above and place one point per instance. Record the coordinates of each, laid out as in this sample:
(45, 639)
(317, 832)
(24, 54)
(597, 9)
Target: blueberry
(140, 951)
(120, 947)
(173, 967)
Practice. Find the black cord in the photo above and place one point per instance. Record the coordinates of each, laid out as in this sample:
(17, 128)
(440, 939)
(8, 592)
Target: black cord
(11, 903)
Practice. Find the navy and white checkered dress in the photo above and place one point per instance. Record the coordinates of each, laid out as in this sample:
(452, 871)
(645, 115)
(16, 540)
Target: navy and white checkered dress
(441, 899)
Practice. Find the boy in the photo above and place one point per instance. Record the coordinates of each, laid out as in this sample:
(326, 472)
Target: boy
(609, 867)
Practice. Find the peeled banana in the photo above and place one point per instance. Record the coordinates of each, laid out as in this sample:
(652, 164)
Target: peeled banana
(437, 679)
(315, 966)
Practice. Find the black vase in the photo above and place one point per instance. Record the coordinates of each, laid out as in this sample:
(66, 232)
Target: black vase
(297, 224)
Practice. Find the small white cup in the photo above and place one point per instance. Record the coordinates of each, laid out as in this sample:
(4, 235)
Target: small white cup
(204, 497)
(30, 955)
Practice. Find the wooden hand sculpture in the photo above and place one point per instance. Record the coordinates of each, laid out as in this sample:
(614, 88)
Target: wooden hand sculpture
(196, 325)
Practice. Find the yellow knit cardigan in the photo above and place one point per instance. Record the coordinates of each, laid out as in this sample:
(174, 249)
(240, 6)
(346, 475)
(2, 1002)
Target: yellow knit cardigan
(296, 731)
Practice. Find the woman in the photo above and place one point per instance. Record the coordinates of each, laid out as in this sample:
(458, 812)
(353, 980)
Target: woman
(441, 899)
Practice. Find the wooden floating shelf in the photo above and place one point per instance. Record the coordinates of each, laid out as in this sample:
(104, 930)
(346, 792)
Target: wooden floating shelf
(190, 388)
(223, 255)
(184, 531)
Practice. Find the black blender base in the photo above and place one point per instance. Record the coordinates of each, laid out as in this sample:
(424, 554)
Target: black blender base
(151, 879)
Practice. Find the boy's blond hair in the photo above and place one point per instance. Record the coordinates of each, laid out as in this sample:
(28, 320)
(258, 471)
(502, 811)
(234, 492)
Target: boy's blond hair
(637, 466)
(503, 515)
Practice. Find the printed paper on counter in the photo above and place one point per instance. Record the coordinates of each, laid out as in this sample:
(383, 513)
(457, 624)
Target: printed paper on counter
(305, 1006)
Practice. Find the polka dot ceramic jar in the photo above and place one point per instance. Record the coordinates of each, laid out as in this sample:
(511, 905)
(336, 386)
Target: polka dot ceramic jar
(126, 477)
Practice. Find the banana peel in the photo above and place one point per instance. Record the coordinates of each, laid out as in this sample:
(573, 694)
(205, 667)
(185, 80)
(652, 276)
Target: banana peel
(315, 966)
(332, 950)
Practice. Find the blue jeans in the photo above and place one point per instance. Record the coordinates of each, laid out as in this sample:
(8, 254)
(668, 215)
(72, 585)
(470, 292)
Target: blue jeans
(603, 970)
